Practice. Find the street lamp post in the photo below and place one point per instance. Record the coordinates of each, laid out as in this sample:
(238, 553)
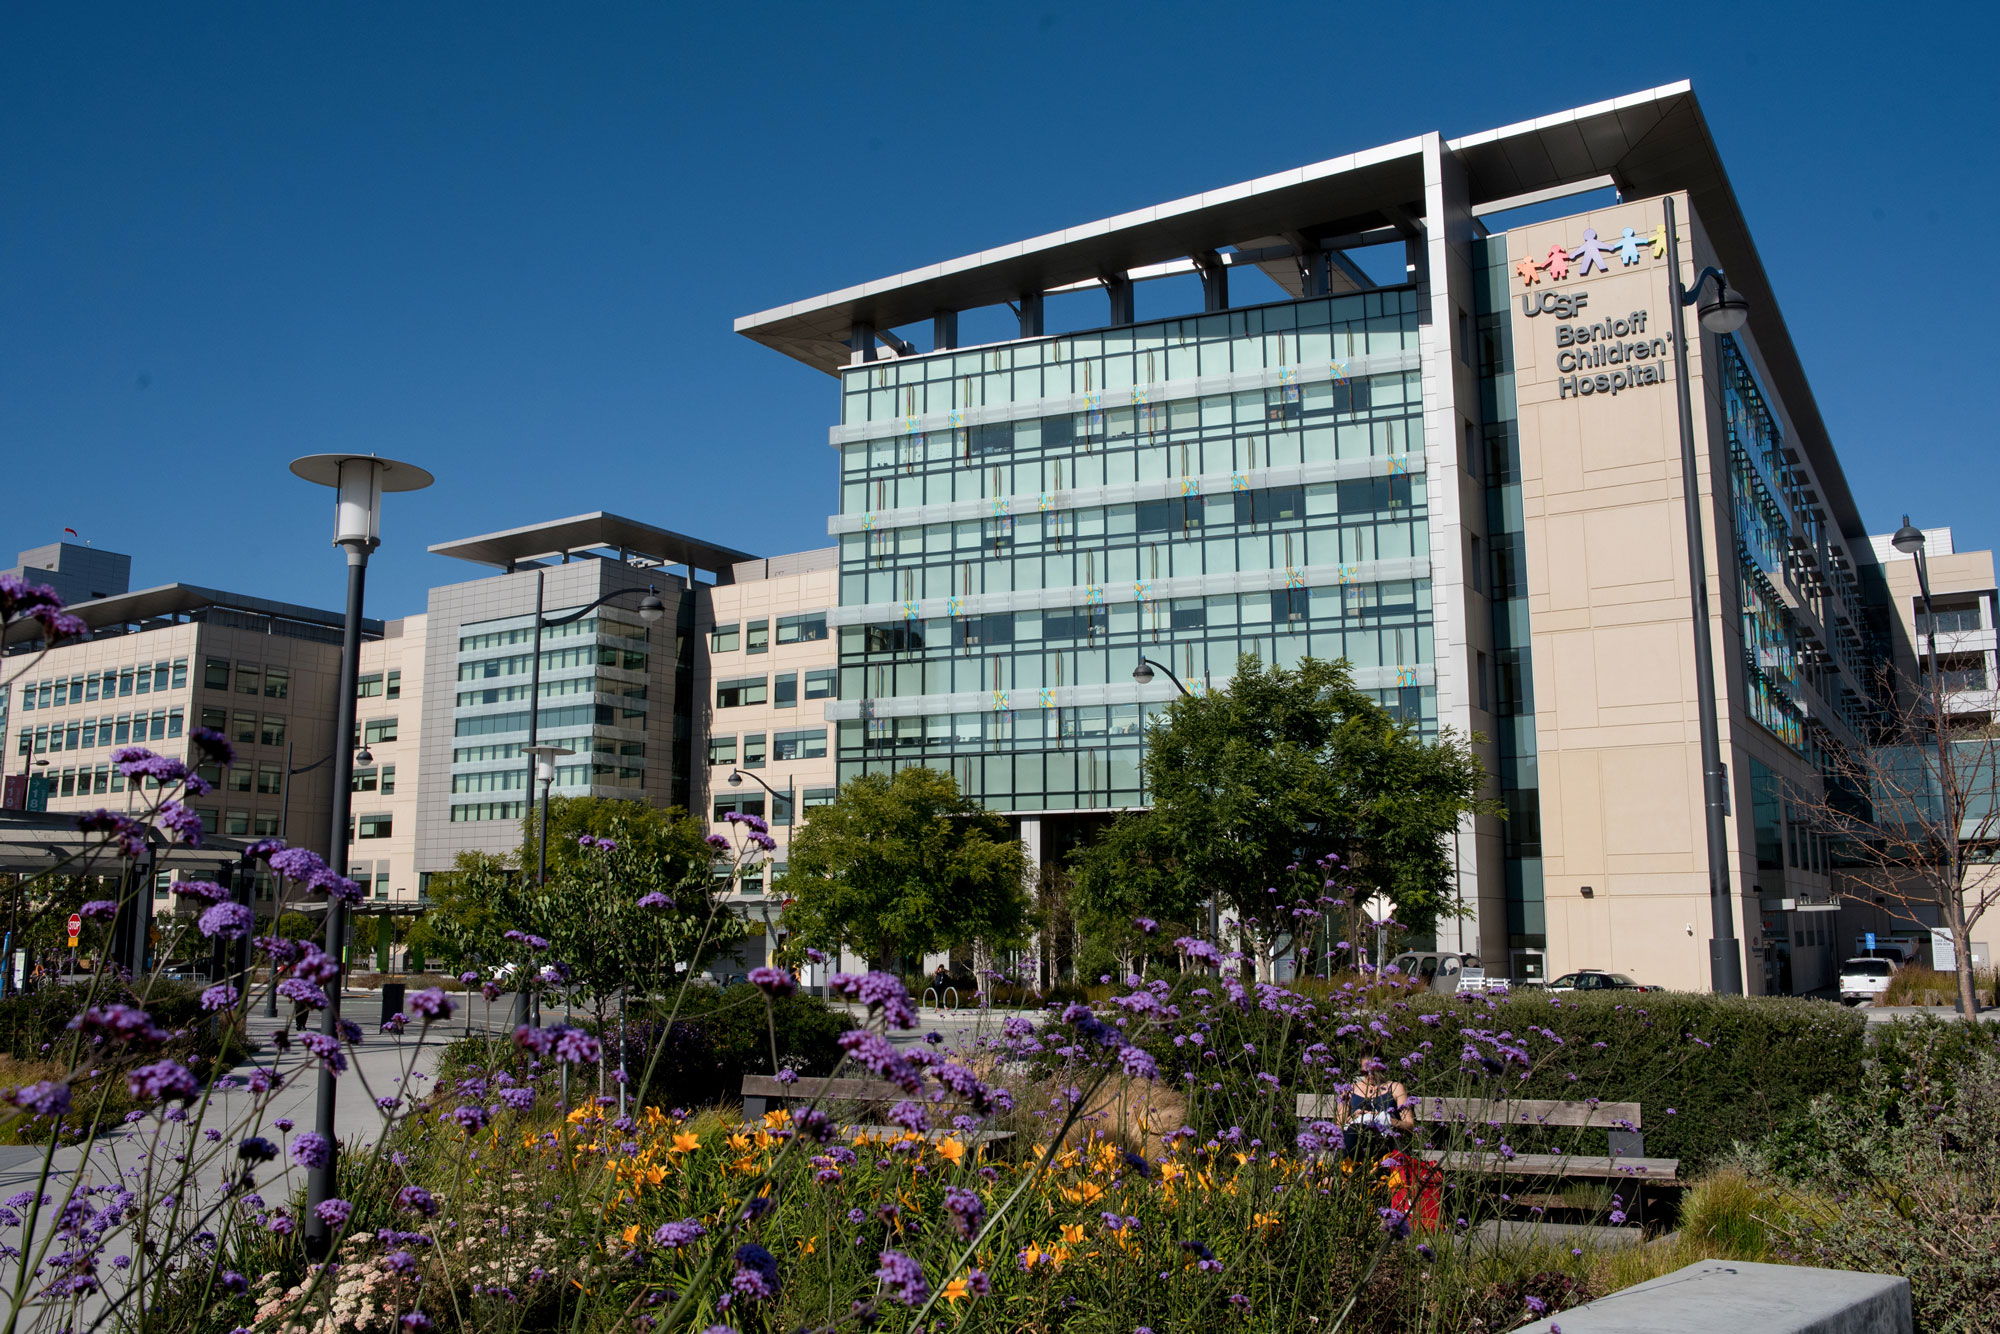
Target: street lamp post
(1910, 541)
(361, 756)
(359, 481)
(736, 777)
(1724, 313)
(545, 758)
(1143, 674)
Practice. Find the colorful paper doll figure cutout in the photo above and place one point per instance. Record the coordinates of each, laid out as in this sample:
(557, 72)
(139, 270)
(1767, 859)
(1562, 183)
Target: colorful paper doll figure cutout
(1660, 241)
(1628, 247)
(1589, 253)
(1528, 271)
(1557, 263)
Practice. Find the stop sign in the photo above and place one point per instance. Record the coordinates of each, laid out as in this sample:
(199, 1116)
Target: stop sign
(75, 923)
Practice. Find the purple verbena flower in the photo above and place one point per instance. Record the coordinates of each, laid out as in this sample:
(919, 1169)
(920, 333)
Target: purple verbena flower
(231, 921)
(311, 1150)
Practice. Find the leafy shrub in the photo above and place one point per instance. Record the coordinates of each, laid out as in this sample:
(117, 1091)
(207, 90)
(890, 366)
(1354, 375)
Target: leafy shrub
(1905, 1177)
(1709, 1071)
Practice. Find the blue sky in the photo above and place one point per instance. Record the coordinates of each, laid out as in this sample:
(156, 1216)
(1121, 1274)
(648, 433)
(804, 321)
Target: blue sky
(506, 242)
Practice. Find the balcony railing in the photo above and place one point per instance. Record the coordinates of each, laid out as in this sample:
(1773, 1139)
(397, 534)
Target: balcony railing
(1949, 622)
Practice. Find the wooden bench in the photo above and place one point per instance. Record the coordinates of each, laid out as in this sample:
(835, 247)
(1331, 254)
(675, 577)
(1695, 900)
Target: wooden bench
(1625, 1160)
(759, 1091)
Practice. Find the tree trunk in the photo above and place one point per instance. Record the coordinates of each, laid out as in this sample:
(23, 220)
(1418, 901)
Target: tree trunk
(1961, 952)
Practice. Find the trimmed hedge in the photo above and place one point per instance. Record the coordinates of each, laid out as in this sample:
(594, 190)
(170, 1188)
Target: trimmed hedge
(1709, 1071)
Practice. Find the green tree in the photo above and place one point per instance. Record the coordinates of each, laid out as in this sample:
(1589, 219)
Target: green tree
(898, 867)
(1127, 874)
(589, 908)
(1279, 769)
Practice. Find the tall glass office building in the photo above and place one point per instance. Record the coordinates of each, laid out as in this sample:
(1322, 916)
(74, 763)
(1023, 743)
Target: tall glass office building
(1442, 443)
(1021, 524)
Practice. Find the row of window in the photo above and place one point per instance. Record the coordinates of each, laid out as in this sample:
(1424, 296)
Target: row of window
(1291, 333)
(110, 730)
(574, 715)
(111, 683)
(728, 803)
(377, 685)
(525, 634)
(251, 678)
(594, 774)
(513, 750)
(381, 780)
(804, 745)
(373, 875)
(755, 636)
(250, 729)
(554, 660)
(780, 691)
(575, 685)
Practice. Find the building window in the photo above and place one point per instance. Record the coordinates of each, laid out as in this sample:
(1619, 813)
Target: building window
(722, 750)
(785, 690)
(376, 826)
(799, 745)
(817, 796)
(365, 780)
(821, 685)
(273, 732)
(802, 629)
(378, 730)
(757, 637)
(246, 729)
(388, 780)
(753, 750)
(277, 682)
(125, 680)
(249, 679)
(265, 823)
(215, 720)
(236, 822)
(180, 674)
(740, 691)
(740, 804)
(215, 673)
(241, 777)
(395, 686)
(724, 638)
(270, 779)
(369, 686)
(174, 717)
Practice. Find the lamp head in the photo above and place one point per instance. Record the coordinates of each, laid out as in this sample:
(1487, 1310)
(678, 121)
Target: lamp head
(545, 761)
(364, 756)
(1143, 673)
(359, 482)
(652, 607)
(1908, 540)
(736, 778)
(1724, 312)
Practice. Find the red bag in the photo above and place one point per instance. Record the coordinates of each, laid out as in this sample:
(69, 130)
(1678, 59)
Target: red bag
(1416, 1187)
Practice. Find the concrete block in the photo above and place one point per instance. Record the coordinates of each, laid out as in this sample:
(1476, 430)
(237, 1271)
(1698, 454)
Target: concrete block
(1738, 1295)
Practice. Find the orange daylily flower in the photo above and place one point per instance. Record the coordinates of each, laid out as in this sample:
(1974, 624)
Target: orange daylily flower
(1073, 1233)
(951, 1151)
(686, 1143)
(954, 1290)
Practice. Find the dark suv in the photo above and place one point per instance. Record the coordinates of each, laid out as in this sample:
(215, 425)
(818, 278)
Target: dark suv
(1590, 979)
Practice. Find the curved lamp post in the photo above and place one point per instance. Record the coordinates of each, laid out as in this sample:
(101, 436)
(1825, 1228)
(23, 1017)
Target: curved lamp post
(362, 756)
(1725, 312)
(359, 482)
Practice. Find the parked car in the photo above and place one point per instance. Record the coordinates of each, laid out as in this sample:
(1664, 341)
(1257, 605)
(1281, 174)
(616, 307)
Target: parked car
(1443, 970)
(1863, 979)
(1592, 979)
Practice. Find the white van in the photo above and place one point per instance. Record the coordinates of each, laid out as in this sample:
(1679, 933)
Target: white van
(1862, 980)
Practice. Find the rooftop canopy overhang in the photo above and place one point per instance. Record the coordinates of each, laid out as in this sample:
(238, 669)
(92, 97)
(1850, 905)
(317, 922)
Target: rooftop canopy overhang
(558, 539)
(1646, 144)
(171, 603)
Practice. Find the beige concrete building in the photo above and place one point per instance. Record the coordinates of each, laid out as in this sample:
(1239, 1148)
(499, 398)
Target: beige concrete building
(765, 672)
(382, 821)
(1441, 442)
(160, 662)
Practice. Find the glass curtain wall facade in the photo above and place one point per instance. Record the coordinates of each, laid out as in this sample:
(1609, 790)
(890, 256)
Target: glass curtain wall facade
(1506, 529)
(1020, 523)
(594, 701)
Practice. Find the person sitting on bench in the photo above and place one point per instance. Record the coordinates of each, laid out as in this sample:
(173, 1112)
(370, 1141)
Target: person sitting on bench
(1375, 1112)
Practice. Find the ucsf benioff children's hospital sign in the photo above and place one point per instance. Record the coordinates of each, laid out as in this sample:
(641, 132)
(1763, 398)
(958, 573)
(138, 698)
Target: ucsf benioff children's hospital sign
(1595, 353)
